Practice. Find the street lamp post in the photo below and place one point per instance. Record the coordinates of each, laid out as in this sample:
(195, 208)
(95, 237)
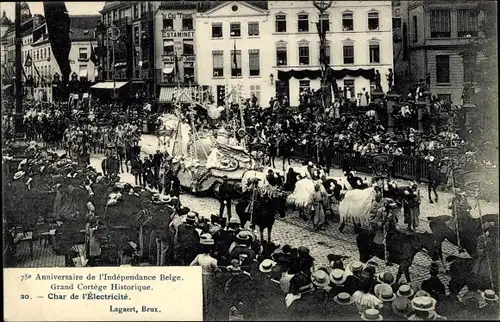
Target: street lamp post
(113, 34)
(322, 6)
(19, 108)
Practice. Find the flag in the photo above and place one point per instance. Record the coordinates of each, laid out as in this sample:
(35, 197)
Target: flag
(176, 67)
(235, 60)
(36, 70)
(93, 56)
(29, 61)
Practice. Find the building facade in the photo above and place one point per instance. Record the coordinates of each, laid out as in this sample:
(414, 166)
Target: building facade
(131, 57)
(359, 40)
(28, 23)
(175, 55)
(439, 32)
(5, 25)
(234, 40)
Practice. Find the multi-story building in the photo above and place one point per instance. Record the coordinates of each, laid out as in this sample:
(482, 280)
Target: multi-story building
(28, 22)
(175, 56)
(132, 59)
(5, 24)
(358, 41)
(234, 40)
(438, 32)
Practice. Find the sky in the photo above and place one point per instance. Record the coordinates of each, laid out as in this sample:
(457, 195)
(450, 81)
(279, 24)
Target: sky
(74, 8)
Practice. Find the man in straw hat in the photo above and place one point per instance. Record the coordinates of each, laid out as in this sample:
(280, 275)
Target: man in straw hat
(242, 252)
(186, 241)
(353, 272)
(490, 311)
(266, 293)
(401, 309)
(405, 290)
(342, 307)
(338, 279)
(371, 315)
(424, 309)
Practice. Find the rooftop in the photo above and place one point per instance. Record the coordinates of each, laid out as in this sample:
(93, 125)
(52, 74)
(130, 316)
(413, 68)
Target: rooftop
(4, 21)
(83, 27)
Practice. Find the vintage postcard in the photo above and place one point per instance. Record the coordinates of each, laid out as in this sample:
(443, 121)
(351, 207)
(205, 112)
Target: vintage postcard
(250, 160)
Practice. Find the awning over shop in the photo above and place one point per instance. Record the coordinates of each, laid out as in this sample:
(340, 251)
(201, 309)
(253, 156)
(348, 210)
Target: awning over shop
(167, 93)
(109, 85)
(168, 70)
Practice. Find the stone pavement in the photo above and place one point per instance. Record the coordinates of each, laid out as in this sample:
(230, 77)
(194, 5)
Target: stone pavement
(290, 230)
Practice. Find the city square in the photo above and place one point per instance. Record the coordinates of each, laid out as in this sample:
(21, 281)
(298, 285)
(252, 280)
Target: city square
(301, 152)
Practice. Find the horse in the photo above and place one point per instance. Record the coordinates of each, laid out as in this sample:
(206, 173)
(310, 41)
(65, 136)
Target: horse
(401, 247)
(355, 206)
(461, 273)
(469, 229)
(356, 182)
(264, 211)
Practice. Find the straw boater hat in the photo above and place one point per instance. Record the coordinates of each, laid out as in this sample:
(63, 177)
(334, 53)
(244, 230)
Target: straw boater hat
(343, 298)
(207, 241)
(371, 315)
(234, 220)
(356, 266)
(338, 276)
(489, 296)
(386, 278)
(421, 293)
(18, 174)
(384, 292)
(401, 306)
(267, 265)
(423, 303)
(242, 239)
(320, 278)
(405, 291)
(190, 218)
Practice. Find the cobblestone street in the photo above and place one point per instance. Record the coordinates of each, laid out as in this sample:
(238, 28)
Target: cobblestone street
(291, 230)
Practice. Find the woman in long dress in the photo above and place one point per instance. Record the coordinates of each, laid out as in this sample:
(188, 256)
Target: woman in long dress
(208, 268)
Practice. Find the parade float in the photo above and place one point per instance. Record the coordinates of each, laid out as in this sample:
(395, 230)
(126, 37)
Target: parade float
(203, 158)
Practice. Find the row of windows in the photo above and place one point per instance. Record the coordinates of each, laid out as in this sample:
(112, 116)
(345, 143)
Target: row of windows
(324, 22)
(222, 90)
(187, 47)
(348, 54)
(188, 73)
(440, 24)
(187, 23)
(235, 29)
(305, 86)
(39, 54)
(137, 12)
(236, 63)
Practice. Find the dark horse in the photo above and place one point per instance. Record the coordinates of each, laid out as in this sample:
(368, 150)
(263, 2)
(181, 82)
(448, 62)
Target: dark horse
(265, 209)
(461, 273)
(469, 229)
(401, 247)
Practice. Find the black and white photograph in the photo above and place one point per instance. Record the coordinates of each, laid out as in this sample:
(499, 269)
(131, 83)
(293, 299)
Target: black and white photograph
(319, 160)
